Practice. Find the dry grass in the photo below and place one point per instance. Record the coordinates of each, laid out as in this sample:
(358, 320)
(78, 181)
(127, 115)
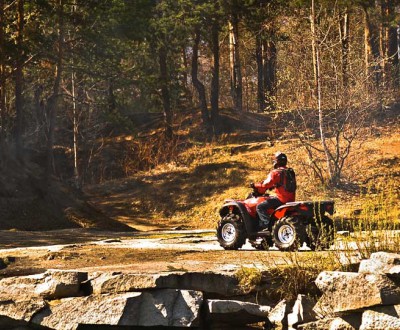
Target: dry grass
(189, 190)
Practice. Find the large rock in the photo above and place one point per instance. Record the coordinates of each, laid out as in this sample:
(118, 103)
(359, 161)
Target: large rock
(226, 285)
(345, 292)
(53, 284)
(351, 322)
(156, 308)
(381, 318)
(326, 281)
(316, 325)
(302, 311)
(381, 263)
(235, 312)
(278, 315)
(21, 310)
(109, 282)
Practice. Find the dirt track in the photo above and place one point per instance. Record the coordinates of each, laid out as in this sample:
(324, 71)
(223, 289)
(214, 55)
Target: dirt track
(34, 252)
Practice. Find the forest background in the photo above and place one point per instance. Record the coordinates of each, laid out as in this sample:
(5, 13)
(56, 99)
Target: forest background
(99, 90)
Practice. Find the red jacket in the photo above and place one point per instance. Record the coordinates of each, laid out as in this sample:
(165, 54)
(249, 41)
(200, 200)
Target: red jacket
(274, 181)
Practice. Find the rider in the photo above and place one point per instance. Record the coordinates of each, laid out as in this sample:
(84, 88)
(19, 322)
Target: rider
(275, 180)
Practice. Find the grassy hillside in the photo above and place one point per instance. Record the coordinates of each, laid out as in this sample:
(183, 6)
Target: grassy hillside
(188, 191)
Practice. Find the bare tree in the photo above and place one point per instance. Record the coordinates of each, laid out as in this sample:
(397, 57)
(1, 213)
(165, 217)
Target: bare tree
(341, 114)
(318, 93)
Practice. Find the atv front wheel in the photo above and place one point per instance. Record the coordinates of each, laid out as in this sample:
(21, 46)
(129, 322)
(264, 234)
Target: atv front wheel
(289, 234)
(230, 232)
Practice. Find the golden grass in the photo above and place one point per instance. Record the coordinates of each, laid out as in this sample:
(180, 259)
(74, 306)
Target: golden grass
(189, 190)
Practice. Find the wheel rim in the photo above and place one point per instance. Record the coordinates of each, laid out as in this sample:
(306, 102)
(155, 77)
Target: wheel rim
(228, 232)
(286, 234)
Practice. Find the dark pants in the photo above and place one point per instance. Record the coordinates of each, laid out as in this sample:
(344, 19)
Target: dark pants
(271, 203)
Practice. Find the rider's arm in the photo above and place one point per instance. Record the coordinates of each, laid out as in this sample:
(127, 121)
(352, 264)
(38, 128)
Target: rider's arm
(270, 182)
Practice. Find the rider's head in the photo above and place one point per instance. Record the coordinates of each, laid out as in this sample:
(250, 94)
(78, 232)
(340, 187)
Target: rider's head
(280, 159)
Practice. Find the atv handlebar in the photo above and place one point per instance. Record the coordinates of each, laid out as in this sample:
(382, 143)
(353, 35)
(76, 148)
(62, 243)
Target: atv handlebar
(255, 190)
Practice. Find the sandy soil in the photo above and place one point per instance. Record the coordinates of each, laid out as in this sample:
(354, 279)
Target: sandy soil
(88, 250)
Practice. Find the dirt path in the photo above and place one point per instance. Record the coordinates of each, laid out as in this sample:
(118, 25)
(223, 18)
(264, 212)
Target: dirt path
(157, 252)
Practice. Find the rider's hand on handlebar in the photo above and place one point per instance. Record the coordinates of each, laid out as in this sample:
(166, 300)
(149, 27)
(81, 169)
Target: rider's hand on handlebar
(252, 185)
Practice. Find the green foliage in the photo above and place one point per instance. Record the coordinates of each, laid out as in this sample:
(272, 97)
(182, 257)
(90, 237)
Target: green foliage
(249, 278)
(111, 48)
(296, 273)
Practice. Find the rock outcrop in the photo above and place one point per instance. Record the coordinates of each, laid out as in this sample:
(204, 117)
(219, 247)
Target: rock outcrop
(367, 299)
(175, 308)
(235, 312)
(222, 284)
(69, 300)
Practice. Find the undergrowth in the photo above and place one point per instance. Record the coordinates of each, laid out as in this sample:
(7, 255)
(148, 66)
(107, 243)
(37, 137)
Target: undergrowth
(376, 229)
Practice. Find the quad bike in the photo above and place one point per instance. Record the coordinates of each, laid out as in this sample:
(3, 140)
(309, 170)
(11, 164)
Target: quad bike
(291, 225)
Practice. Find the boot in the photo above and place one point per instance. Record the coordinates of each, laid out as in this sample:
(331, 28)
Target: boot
(263, 224)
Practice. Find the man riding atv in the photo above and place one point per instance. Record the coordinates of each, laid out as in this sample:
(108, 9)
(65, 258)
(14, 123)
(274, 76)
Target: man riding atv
(266, 220)
(283, 180)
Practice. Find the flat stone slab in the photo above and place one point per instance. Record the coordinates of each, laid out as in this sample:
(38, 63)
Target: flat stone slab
(382, 317)
(235, 312)
(53, 284)
(108, 282)
(381, 263)
(337, 323)
(343, 292)
(21, 310)
(174, 308)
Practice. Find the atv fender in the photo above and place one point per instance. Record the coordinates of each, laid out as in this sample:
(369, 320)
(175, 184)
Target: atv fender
(307, 209)
(289, 209)
(237, 207)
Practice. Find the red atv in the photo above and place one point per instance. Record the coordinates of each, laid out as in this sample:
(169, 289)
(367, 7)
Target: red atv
(291, 224)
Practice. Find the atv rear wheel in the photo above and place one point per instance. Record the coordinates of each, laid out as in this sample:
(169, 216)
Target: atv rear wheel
(289, 234)
(230, 232)
(322, 234)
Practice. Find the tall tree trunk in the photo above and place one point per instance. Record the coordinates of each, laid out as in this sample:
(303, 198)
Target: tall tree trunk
(165, 96)
(215, 73)
(19, 79)
(392, 46)
(344, 39)
(52, 103)
(197, 83)
(318, 93)
(260, 73)
(75, 131)
(185, 77)
(382, 38)
(2, 81)
(270, 55)
(40, 114)
(235, 66)
(371, 49)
